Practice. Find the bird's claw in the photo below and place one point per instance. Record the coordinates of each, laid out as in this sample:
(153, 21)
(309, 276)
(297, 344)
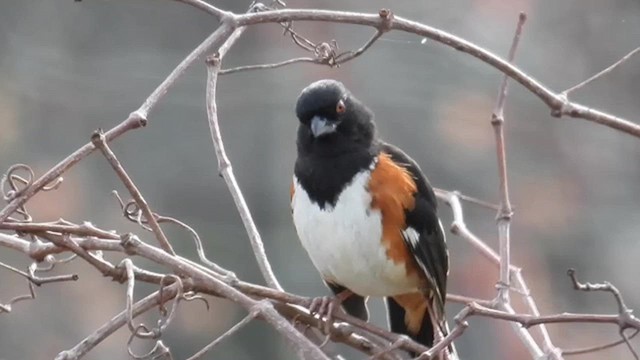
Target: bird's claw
(326, 306)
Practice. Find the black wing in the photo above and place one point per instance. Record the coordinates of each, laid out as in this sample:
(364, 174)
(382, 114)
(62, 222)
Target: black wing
(430, 248)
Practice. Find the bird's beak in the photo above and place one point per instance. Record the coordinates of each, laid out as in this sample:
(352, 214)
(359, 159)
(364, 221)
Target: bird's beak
(320, 126)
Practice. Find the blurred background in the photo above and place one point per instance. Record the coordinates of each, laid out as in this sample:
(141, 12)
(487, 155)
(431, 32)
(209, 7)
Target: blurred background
(67, 68)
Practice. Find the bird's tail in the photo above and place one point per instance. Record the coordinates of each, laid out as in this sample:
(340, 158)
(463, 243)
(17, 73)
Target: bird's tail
(411, 315)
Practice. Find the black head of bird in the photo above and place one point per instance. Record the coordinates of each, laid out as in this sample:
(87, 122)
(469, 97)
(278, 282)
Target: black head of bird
(331, 119)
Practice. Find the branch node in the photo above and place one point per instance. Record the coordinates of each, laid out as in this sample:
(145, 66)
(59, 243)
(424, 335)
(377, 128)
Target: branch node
(213, 60)
(260, 307)
(139, 118)
(129, 241)
(455, 228)
(496, 120)
(523, 17)
(386, 17)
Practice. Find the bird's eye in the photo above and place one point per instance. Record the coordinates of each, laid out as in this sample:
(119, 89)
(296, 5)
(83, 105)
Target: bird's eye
(340, 107)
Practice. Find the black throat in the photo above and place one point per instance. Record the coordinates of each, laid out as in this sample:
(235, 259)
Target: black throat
(325, 168)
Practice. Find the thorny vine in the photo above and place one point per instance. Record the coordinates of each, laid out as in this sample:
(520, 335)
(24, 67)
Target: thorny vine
(49, 244)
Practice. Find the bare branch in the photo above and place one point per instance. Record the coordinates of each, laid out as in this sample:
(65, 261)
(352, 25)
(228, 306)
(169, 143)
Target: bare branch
(505, 212)
(269, 66)
(466, 300)
(558, 104)
(597, 348)
(242, 323)
(459, 227)
(625, 318)
(442, 194)
(626, 340)
(601, 73)
(225, 170)
(86, 229)
(120, 320)
(208, 8)
(606, 286)
(319, 60)
(40, 280)
(134, 246)
(533, 308)
(133, 122)
(99, 141)
(350, 55)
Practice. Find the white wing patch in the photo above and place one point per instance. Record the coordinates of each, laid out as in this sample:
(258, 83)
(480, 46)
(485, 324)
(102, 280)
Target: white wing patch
(412, 236)
(444, 238)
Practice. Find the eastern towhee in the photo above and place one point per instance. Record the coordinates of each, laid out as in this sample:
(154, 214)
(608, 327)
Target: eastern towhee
(366, 215)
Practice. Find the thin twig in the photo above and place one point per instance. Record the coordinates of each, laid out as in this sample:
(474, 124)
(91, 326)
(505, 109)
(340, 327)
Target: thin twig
(601, 73)
(597, 348)
(199, 247)
(40, 280)
(242, 323)
(132, 212)
(442, 194)
(225, 170)
(99, 141)
(339, 59)
(625, 318)
(120, 320)
(459, 227)
(208, 8)
(86, 229)
(505, 212)
(629, 345)
(350, 55)
(131, 280)
(606, 287)
(467, 300)
(268, 66)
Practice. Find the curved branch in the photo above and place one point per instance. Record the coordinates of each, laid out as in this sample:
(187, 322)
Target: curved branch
(225, 170)
(558, 104)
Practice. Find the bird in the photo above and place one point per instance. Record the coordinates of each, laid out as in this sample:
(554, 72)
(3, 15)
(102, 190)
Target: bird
(367, 216)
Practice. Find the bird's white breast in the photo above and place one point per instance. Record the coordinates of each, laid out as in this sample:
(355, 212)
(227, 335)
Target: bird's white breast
(344, 242)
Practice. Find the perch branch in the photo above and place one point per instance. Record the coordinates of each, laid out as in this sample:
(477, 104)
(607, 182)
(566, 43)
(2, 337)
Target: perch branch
(152, 253)
(133, 245)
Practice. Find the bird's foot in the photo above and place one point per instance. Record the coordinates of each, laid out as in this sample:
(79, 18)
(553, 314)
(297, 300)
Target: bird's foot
(325, 307)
